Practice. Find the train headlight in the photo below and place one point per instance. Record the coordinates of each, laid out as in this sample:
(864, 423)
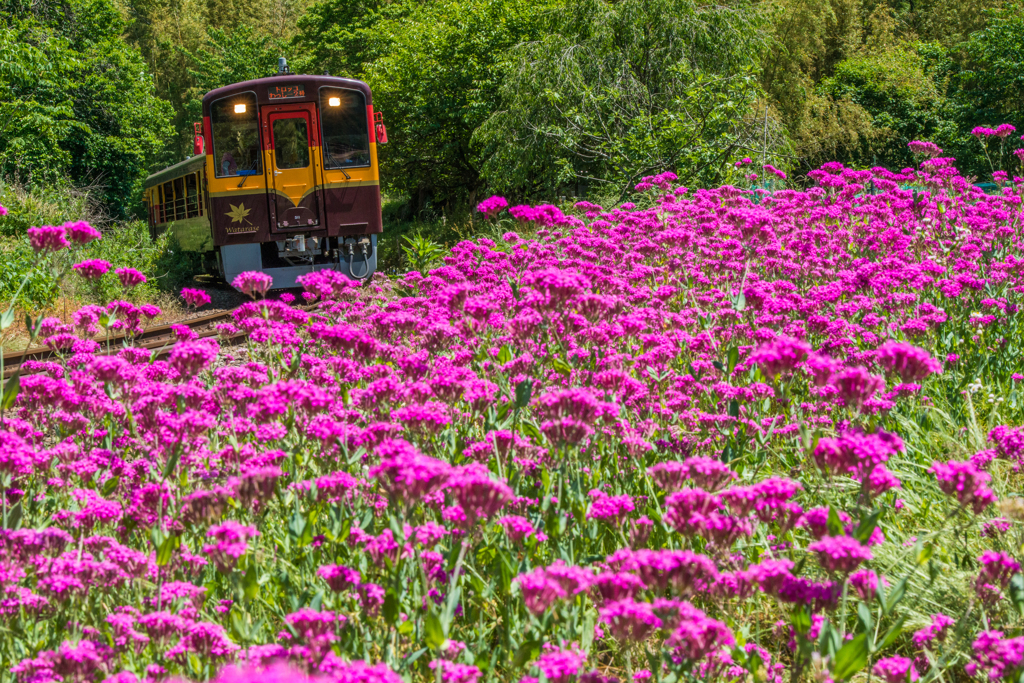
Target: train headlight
(334, 101)
(239, 108)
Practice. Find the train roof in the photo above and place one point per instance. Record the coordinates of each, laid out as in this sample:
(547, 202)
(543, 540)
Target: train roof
(312, 84)
(190, 165)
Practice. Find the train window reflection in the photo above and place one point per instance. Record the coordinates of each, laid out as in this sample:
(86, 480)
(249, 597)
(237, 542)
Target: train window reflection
(236, 136)
(346, 140)
(291, 143)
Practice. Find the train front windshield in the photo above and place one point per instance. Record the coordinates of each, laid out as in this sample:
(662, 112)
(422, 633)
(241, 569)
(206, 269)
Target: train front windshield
(345, 132)
(236, 136)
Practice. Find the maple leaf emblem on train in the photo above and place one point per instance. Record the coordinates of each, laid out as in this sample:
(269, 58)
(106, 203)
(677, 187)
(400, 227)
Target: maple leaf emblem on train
(238, 213)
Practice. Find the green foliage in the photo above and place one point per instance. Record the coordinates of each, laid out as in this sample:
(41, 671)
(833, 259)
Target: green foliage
(226, 56)
(421, 253)
(50, 204)
(993, 79)
(125, 244)
(17, 263)
(615, 91)
(905, 104)
(342, 36)
(437, 82)
(75, 100)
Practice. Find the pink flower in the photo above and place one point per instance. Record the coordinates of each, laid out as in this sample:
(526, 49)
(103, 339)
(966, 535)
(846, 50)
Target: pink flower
(453, 672)
(81, 232)
(855, 452)
(405, 473)
(928, 150)
(629, 621)
(895, 670)
(865, 583)
(130, 277)
(856, 385)
(253, 283)
(492, 206)
(339, 577)
(516, 528)
(190, 358)
(965, 482)
(911, 363)
(937, 630)
(780, 356)
(611, 508)
(1005, 130)
(840, 553)
(995, 657)
(232, 542)
(705, 473)
(478, 494)
(92, 269)
(48, 238)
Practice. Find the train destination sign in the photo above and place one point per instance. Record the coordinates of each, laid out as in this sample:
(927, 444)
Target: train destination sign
(282, 92)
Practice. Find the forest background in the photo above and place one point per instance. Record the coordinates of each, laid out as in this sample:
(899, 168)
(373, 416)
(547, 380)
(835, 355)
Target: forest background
(533, 99)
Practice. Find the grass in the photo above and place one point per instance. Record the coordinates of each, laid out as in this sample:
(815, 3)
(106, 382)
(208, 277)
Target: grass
(124, 245)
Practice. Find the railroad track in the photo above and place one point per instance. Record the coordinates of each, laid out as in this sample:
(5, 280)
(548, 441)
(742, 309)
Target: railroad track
(159, 339)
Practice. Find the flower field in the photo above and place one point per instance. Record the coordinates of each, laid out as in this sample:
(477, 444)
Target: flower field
(715, 435)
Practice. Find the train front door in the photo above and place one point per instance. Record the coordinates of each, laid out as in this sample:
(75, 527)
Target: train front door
(294, 167)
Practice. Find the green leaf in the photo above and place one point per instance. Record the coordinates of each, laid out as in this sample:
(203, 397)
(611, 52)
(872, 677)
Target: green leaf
(433, 630)
(172, 462)
(891, 635)
(109, 485)
(14, 515)
(12, 388)
(732, 358)
(561, 366)
(801, 620)
(867, 526)
(505, 354)
(7, 319)
(250, 582)
(834, 524)
(524, 390)
(925, 553)
(864, 615)
(1017, 592)
(851, 658)
(165, 551)
(297, 526)
(589, 621)
(238, 628)
(526, 652)
(531, 430)
(390, 608)
(895, 596)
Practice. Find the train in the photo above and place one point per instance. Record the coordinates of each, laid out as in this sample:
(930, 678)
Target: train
(284, 179)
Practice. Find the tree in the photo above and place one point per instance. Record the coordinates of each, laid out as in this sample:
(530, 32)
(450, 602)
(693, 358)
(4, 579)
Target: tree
(75, 100)
(435, 71)
(613, 91)
(904, 103)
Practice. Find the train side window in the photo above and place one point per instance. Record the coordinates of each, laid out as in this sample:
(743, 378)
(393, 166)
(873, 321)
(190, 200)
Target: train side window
(236, 136)
(168, 203)
(179, 198)
(191, 192)
(346, 139)
(202, 199)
